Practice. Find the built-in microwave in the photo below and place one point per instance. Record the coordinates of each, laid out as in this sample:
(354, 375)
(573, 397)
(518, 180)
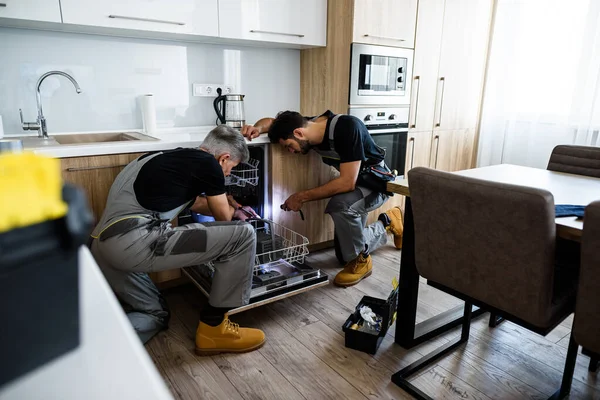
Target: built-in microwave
(380, 75)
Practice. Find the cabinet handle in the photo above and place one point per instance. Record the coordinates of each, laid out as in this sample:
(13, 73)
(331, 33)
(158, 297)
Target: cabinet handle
(412, 152)
(417, 79)
(443, 81)
(74, 169)
(3, 4)
(278, 33)
(159, 21)
(437, 150)
(384, 37)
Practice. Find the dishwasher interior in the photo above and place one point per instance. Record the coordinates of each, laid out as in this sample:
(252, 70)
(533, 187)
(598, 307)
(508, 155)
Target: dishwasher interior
(280, 269)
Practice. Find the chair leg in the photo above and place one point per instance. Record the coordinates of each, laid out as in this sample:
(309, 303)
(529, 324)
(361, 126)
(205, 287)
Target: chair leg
(565, 387)
(400, 378)
(594, 360)
(495, 319)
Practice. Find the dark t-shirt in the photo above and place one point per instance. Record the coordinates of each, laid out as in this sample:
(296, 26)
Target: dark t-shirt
(177, 177)
(351, 140)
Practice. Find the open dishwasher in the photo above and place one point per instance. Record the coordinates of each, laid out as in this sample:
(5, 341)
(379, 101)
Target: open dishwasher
(280, 269)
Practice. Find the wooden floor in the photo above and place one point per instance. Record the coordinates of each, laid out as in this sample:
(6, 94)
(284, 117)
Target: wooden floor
(305, 358)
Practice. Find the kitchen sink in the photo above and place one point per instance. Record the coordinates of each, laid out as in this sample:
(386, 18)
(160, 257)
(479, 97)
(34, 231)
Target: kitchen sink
(100, 137)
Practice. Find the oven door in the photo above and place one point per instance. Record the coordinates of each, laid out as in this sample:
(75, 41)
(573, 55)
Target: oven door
(394, 143)
(380, 75)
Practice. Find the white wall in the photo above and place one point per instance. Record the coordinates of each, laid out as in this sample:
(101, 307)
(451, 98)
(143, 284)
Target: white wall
(113, 72)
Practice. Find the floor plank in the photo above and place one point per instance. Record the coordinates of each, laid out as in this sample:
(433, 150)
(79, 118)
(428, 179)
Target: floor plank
(487, 378)
(523, 366)
(539, 348)
(255, 378)
(289, 314)
(313, 378)
(329, 311)
(359, 369)
(305, 357)
(440, 383)
(192, 378)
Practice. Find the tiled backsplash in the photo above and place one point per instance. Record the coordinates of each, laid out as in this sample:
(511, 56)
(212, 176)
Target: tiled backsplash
(113, 72)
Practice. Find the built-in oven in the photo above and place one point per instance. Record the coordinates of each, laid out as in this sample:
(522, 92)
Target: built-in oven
(388, 127)
(380, 75)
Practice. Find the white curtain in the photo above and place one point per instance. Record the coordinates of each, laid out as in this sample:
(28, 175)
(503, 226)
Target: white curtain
(543, 82)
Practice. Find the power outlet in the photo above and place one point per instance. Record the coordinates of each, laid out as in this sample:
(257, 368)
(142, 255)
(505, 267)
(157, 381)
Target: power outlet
(210, 89)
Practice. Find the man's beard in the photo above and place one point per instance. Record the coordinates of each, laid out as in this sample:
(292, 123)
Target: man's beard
(304, 146)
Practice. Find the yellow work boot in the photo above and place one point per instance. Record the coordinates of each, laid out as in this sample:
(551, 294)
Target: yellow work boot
(227, 337)
(354, 271)
(396, 226)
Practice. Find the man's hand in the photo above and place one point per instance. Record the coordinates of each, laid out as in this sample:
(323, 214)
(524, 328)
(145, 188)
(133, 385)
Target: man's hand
(294, 202)
(261, 126)
(248, 210)
(250, 132)
(240, 215)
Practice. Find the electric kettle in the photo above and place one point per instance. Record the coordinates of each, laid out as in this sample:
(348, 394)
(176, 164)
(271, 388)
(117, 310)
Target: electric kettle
(230, 109)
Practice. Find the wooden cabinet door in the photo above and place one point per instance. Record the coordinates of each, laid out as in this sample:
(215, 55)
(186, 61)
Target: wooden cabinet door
(418, 150)
(282, 21)
(385, 22)
(428, 45)
(95, 175)
(465, 37)
(184, 16)
(34, 10)
(452, 150)
(291, 173)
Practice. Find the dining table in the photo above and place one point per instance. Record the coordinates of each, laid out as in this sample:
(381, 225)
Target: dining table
(566, 189)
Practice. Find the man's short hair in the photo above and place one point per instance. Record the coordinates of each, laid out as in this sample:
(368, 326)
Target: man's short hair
(225, 139)
(284, 125)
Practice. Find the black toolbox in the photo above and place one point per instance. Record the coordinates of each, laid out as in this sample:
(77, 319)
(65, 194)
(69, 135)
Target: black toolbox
(39, 288)
(366, 341)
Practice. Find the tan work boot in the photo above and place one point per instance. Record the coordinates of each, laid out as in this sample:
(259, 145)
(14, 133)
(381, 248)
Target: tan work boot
(396, 226)
(227, 337)
(354, 271)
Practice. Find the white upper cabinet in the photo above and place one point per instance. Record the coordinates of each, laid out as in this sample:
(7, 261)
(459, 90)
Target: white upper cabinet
(34, 10)
(385, 22)
(282, 21)
(198, 17)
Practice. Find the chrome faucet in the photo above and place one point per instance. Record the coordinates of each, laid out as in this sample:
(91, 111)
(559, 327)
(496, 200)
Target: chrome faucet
(40, 124)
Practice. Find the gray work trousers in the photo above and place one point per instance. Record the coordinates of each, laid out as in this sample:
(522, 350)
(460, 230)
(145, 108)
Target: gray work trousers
(349, 213)
(126, 259)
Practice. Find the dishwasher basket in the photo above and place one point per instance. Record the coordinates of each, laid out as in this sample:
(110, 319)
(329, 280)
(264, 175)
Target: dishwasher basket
(244, 174)
(275, 242)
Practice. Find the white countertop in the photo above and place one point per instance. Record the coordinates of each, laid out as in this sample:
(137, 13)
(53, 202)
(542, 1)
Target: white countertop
(110, 363)
(161, 140)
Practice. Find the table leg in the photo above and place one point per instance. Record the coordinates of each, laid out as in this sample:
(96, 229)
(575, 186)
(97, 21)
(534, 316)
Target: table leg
(408, 288)
(408, 332)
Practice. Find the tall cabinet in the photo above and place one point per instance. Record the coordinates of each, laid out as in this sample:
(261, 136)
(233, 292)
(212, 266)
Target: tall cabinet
(451, 48)
(450, 40)
(324, 85)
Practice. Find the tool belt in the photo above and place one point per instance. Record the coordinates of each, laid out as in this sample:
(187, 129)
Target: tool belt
(375, 177)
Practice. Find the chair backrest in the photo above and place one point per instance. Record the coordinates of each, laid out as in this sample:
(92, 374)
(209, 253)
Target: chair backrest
(491, 241)
(580, 160)
(586, 327)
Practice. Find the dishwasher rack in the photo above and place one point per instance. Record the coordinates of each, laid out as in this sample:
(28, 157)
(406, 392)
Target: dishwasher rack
(245, 173)
(275, 242)
(279, 269)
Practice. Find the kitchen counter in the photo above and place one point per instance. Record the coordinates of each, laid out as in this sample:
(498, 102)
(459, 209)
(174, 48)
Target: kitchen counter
(110, 363)
(161, 140)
